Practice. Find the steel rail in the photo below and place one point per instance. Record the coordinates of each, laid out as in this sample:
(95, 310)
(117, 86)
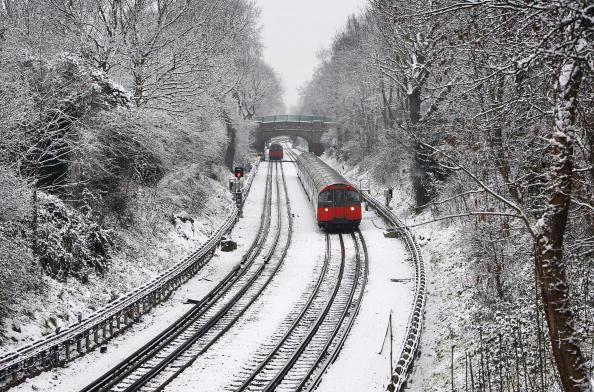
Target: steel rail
(135, 360)
(322, 364)
(295, 323)
(147, 377)
(338, 324)
(301, 348)
(229, 325)
(342, 317)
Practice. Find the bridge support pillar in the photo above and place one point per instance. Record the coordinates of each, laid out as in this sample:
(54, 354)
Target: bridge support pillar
(316, 148)
(259, 145)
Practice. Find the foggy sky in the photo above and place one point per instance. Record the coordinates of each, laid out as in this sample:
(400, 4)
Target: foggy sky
(293, 31)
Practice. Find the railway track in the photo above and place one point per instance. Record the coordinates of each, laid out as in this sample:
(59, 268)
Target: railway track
(307, 343)
(313, 338)
(414, 328)
(158, 362)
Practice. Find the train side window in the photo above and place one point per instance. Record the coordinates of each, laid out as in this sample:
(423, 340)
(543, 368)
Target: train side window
(339, 197)
(352, 197)
(326, 199)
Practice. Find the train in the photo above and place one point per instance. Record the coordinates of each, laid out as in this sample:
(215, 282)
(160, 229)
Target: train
(275, 152)
(337, 203)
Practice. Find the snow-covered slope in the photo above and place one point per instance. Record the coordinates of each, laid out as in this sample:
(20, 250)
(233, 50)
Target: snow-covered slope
(143, 250)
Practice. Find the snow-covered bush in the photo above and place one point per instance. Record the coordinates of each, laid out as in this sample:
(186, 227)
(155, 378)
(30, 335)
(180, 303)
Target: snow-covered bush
(18, 271)
(70, 243)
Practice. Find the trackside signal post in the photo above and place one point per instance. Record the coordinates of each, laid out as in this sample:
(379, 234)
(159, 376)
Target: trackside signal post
(388, 194)
(237, 192)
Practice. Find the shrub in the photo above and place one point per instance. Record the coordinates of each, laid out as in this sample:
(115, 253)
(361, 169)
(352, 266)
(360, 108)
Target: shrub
(70, 243)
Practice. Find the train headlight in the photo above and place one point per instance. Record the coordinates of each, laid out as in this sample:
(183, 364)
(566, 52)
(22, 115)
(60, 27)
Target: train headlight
(352, 208)
(325, 209)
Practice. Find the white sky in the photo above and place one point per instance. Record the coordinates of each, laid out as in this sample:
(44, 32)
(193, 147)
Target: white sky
(294, 30)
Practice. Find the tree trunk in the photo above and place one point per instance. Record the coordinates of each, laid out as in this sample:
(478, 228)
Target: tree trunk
(548, 244)
(34, 223)
(231, 132)
(503, 163)
(590, 133)
(420, 180)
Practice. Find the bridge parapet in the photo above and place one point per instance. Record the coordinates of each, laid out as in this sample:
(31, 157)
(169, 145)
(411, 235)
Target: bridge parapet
(285, 118)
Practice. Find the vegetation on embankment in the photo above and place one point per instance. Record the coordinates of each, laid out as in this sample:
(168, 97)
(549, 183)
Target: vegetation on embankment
(114, 139)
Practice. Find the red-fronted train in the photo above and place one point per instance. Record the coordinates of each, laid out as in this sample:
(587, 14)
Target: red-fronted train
(336, 202)
(275, 152)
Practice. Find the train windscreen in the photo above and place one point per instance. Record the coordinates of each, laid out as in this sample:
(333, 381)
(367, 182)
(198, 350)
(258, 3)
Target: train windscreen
(352, 197)
(326, 199)
(338, 198)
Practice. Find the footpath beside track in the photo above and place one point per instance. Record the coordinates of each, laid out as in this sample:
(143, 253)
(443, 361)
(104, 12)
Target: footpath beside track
(411, 344)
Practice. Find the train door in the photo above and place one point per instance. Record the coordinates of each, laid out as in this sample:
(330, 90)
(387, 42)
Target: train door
(339, 204)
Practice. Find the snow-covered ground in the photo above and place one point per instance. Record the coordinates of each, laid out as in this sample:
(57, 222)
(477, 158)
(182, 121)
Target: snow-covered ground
(79, 373)
(360, 365)
(448, 307)
(224, 361)
(363, 363)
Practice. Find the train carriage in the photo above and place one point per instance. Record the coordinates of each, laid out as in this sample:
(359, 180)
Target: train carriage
(275, 152)
(336, 202)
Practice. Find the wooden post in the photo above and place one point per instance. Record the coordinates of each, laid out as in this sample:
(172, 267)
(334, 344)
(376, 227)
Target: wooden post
(56, 355)
(452, 368)
(391, 342)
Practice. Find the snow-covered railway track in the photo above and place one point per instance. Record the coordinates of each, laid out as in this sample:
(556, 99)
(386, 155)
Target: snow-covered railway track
(313, 339)
(163, 358)
(414, 327)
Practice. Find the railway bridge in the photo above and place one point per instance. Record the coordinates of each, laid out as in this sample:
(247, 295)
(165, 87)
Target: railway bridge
(310, 128)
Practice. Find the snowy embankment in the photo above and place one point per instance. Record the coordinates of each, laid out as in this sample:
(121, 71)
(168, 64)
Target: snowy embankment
(79, 373)
(149, 246)
(449, 305)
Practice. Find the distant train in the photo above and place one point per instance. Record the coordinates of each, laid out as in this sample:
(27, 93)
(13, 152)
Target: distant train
(336, 202)
(275, 152)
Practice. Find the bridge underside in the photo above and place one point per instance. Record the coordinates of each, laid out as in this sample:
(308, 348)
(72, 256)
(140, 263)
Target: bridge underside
(313, 140)
(310, 128)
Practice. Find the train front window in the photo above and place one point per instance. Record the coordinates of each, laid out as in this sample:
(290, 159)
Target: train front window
(326, 199)
(352, 197)
(339, 197)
